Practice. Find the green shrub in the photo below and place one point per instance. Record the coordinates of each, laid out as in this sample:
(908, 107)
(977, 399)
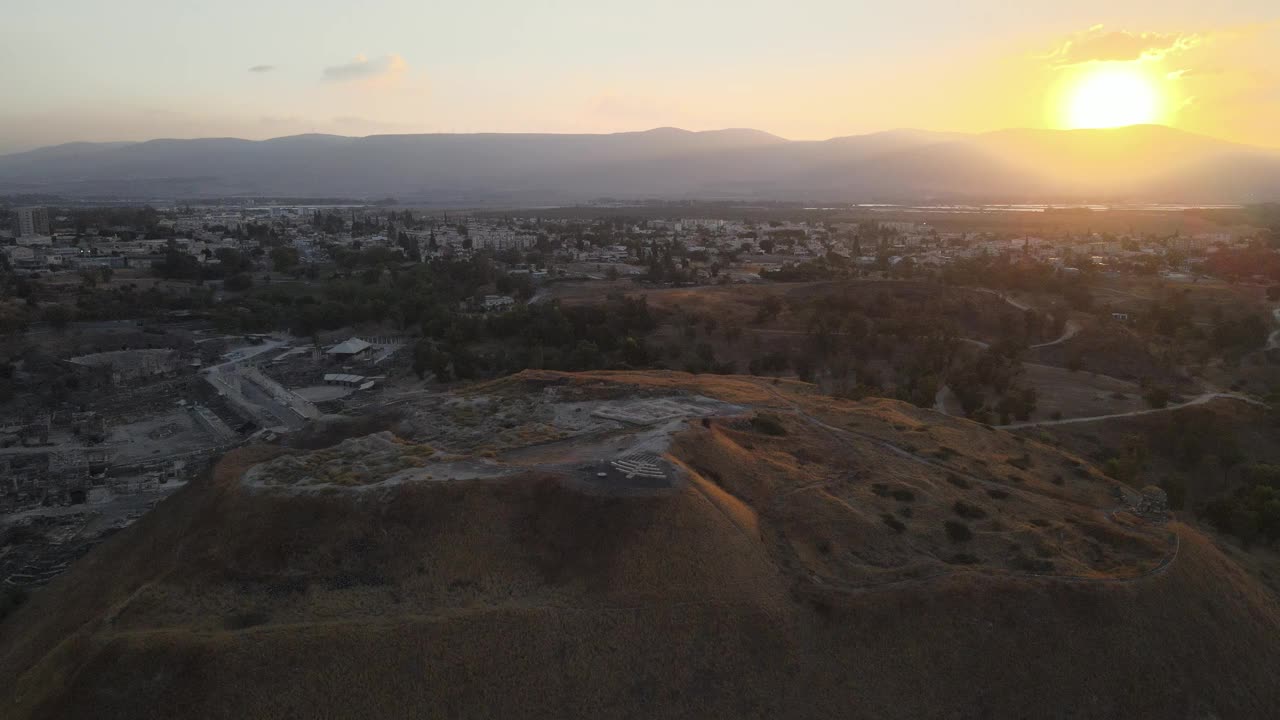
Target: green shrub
(894, 523)
(958, 531)
(968, 511)
(1251, 513)
(243, 620)
(1175, 488)
(768, 425)
(1022, 463)
(11, 598)
(1157, 398)
(1030, 564)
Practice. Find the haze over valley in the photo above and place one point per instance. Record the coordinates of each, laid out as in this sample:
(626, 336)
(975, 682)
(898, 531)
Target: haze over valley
(1125, 164)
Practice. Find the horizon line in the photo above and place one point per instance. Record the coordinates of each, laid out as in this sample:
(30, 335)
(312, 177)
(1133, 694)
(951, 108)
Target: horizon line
(781, 139)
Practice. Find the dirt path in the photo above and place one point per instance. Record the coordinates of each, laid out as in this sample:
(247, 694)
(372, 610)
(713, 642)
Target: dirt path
(1069, 331)
(1016, 303)
(1197, 400)
(1159, 569)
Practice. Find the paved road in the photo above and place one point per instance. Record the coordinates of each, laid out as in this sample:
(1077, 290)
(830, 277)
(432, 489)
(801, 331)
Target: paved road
(227, 378)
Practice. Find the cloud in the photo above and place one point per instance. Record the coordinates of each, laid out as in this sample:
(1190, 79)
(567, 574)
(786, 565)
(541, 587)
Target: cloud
(1099, 45)
(362, 68)
(262, 68)
(1192, 72)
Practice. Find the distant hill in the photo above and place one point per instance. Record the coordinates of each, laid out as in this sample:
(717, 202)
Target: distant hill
(1148, 163)
(821, 558)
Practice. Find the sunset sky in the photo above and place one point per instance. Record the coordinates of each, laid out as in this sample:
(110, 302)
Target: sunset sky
(808, 69)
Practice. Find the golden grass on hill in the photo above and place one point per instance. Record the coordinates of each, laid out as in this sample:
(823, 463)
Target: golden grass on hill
(770, 584)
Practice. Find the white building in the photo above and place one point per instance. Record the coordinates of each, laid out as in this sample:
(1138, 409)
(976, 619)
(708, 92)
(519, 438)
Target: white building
(497, 302)
(350, 348)
(34, 240)
(31, 221)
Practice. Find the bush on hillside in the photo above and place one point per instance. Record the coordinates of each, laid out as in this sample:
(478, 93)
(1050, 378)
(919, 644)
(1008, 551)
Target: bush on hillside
(768, 425)
(11, 598)
(958, 531)
(968, 511)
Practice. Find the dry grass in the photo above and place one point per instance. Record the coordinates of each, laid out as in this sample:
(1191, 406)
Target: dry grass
(754, 591)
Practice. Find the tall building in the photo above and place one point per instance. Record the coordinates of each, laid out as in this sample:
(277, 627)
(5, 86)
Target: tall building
(32, 221)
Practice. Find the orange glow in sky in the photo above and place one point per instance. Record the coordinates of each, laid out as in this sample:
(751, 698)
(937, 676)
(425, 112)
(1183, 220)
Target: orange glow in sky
(155, 68)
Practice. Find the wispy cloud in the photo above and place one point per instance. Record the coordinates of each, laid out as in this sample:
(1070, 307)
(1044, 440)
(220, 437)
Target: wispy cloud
(362, 68)
(262, 68)
(1182, 73)
(1100, 45)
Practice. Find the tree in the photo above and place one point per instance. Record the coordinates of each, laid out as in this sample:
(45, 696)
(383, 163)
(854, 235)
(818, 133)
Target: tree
(427, 358)
(1157, 397)
(232, 261)
(769, 309)
(732, 332)
(283, 258)
(58, 316)
(238, 283)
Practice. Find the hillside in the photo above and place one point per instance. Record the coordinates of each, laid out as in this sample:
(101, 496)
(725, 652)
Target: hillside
(1133, 163)
(767, 552)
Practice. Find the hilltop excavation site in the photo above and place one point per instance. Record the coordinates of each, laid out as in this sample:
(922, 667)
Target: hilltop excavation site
(632, 544)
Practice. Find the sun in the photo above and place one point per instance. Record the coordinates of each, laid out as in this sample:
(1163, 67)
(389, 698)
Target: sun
(1112, 96)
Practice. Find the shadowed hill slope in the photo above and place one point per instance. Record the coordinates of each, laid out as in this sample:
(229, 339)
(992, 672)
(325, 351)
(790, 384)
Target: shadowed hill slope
(805, 567)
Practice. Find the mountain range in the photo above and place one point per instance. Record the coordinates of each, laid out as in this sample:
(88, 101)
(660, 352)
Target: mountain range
(1147, 163)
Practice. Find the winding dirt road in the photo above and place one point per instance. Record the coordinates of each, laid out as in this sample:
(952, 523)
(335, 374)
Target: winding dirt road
(1197, 400)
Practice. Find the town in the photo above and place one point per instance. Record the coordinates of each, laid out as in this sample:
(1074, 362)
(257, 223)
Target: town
(284, 238)
(144, 342)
